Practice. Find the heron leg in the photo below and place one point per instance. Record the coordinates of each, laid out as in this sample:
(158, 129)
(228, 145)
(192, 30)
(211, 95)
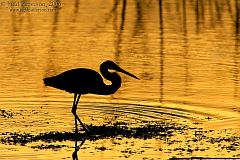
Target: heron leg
(74, 111)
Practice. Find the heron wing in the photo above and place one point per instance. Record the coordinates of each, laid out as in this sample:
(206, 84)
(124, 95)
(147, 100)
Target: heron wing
(81, 80)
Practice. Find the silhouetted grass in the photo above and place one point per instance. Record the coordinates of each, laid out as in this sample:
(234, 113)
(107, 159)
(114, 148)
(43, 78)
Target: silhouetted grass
(5, 114)
(50, 146)
(158, 130)
(120, 130)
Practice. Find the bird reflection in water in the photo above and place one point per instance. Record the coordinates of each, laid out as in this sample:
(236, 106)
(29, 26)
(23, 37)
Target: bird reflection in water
(83, 81)
(76, 149)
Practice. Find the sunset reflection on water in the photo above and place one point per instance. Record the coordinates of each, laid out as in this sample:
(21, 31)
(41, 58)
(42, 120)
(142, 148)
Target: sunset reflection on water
(186, 54)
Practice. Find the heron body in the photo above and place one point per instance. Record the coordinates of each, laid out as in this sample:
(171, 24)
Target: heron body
(84, 81)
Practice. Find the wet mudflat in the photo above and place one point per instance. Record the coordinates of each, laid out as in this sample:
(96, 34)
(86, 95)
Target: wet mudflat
(132, 139)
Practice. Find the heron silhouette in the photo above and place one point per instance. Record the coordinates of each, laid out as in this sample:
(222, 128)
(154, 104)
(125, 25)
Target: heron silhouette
(83, 81)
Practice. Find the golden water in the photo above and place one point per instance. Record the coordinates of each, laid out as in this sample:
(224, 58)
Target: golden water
(185, 52)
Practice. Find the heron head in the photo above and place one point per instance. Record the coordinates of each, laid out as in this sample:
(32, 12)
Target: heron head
(113, 66)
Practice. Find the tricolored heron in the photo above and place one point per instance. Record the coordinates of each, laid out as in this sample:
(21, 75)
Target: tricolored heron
(83, 81)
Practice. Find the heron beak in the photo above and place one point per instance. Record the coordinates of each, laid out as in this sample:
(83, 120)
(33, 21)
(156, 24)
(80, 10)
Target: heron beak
(127, 73)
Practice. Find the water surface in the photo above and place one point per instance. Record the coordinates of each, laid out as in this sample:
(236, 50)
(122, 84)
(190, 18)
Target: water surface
(186, 54)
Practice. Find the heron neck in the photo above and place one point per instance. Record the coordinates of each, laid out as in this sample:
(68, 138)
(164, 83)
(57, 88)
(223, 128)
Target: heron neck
(114, 78)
